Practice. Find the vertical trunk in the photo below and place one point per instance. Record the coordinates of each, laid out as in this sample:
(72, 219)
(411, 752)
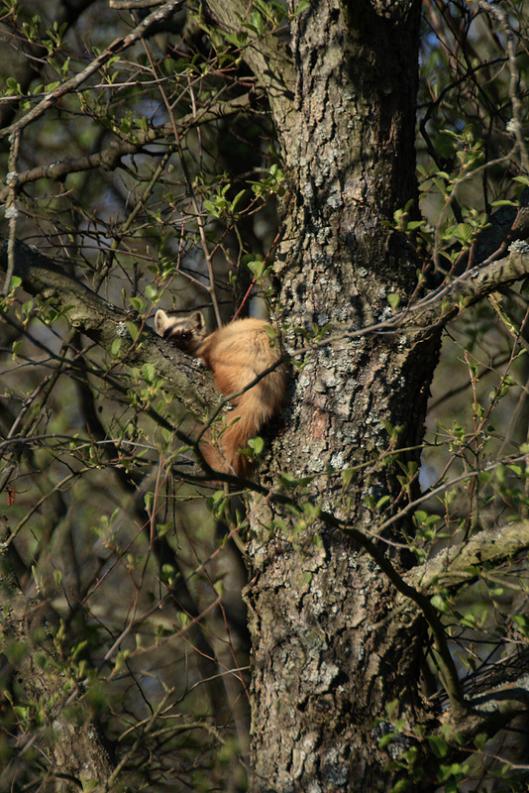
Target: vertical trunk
(328, 653)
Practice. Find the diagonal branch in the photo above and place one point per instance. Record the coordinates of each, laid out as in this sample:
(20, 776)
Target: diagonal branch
(457, 563)
(446, 302)
(117, 46)
(103, 323)
(439, 307)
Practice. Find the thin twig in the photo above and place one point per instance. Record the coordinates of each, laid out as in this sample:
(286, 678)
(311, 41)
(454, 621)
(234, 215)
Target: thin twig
(211, 289)
(11, 212)
(131, 5)
(117, 46)
(516, 124)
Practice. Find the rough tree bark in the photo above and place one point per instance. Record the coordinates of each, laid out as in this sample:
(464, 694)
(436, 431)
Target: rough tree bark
(332, 644)
(328, 652)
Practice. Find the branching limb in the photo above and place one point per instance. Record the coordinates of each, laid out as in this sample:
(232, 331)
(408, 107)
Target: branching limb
(117, 46)
(268, 58)
(110, 156)
(446, 302)
(492, 713)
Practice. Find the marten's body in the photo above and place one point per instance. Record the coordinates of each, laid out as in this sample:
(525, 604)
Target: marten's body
(236, 354)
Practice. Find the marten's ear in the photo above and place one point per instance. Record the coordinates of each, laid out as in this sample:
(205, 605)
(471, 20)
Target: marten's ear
(198, 322)
(161, 322)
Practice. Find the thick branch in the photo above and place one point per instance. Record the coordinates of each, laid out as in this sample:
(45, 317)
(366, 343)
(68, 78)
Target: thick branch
(444, 304)
(103, 323)
(457, 563)
(267, 56)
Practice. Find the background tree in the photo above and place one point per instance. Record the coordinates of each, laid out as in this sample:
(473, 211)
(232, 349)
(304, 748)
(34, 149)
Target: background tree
(265, 157)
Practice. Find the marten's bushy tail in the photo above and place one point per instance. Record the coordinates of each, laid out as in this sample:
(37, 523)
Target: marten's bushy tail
(251, 413)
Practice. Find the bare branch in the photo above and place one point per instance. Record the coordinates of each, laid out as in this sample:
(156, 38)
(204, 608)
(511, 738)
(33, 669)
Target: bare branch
(446, 302)
(11, 209)
(119, 5)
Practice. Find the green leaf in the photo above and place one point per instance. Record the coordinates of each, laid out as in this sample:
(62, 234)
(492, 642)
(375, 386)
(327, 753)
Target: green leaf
(504, 203)
(22, 712)
(299, 8)
(15, 348)
(439, 602)
(137, 302)
(387, 739)
(134, 332)
(400, 786)
(236, 200)
(347, 475)
(218, 502)
(256, 267)
(148, 371)
(311, 511)
(289, 480)
(522, 623)
(257, 445)
(167, 569)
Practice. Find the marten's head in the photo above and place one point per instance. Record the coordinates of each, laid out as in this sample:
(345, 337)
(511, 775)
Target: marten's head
(185, 332)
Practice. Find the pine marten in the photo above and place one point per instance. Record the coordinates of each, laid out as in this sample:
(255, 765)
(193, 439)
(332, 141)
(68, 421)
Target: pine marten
(236, 354)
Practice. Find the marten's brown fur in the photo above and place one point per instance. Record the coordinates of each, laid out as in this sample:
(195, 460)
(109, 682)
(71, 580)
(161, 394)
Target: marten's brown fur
(236, 354)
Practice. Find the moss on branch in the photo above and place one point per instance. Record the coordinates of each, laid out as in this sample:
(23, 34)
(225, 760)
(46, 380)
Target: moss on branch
(458, 562)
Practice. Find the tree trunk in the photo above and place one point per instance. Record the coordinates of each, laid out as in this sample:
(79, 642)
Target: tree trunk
(328, 654)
